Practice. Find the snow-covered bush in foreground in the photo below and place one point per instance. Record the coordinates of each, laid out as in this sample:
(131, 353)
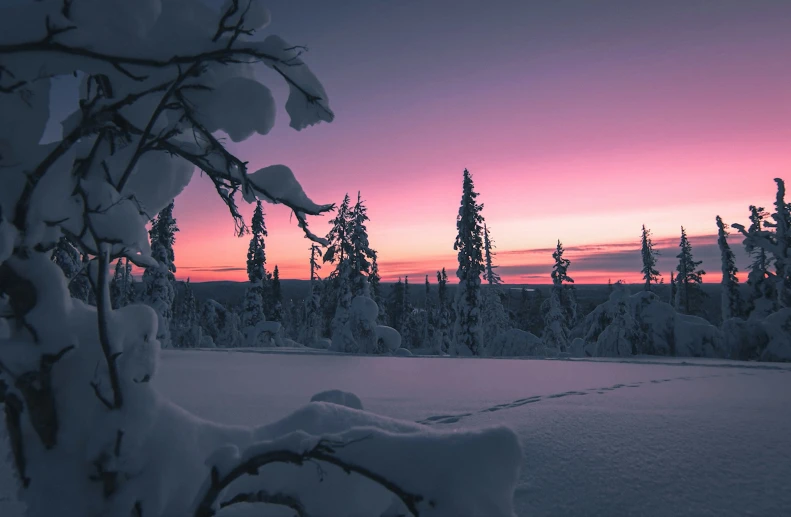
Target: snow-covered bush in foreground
(643, 324)
(89, 434)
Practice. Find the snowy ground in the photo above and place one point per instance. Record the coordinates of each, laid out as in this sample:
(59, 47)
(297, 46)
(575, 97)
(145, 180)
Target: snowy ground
(640, 437)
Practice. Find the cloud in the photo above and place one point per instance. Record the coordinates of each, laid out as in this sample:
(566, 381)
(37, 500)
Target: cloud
(212, 269)
(588, 263)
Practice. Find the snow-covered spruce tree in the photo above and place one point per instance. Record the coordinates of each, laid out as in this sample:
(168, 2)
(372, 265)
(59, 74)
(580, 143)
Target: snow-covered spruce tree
(467, 329)
(80, 285)
(395, 302)
(429, 337)
(444, 318)
(67, 257)
(276, 293)
(689, 295)
(158, 280)
(185, 329)
(776, 243)
(489, 275)
(310, 332)
(252, 312)
(560, 309)
(122, 289)
(374, 280)
(762, 299)
(648, 254)
(361, 253)
(673, 289)
(87, 429)
(731, 297)
(408, 326)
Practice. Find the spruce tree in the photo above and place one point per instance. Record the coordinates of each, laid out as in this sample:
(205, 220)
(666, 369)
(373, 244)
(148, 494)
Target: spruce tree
(338, 288)
(672, 289)
(689, 294)
(311, 330)
(444, 316)
(760, 280)
(488, 245)
(276, 302)
(256, 251)
(376, 291)
(122, 284)
(560, 309)
(158, 281)
(649, 271)
(252, 311)
(396, 304)
(468, 332)
(68, 258)
(731, 298)
(404, 327)
(609, 286)
(361, 253)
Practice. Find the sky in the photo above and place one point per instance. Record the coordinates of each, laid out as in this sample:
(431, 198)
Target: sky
(579, 121)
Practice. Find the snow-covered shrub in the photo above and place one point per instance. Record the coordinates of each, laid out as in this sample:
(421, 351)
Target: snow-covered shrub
(643, 324)
(778, 331)
(387, 339)
(90, 434)
(515, 343)
(744, 340)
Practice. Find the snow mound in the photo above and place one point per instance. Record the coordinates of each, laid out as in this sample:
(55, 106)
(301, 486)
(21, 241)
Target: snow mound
(342, 398)
(515, 343)
(402, 352)
(388, 337)
(643, 324)
(778, 330)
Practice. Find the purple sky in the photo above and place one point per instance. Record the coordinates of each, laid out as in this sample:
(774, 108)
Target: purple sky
(579, 120)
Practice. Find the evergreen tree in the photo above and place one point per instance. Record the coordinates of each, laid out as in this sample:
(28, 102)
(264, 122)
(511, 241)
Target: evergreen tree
(731, 298)
(609, 286)
(650, 273)
(560, 309)
(361, 253)
(340, 246)
(468, 331)
(68, 258)
(396, 304)
(689, 294)
(782, 245)
(404, 326)
(338, 288)
(276, 293)
(80, 286)
(443, 313)
(158, 281)
(672, 289)
(256, 251)
(763, 298)
(488, 245)
(186, 331)
(252, 311)
(311, 330)
(122, 284)
(376, 291)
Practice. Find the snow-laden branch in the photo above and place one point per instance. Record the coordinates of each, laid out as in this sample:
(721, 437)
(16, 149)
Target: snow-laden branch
(322, 450)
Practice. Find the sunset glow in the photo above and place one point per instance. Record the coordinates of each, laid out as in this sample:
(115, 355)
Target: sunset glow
(572, 131)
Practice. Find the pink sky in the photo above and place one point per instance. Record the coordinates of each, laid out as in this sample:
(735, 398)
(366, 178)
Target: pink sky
(582, 134)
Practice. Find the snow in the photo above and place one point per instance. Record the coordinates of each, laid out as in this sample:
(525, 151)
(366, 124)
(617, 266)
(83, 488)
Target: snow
(389, 337)
(650, 437)
(343, 398)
